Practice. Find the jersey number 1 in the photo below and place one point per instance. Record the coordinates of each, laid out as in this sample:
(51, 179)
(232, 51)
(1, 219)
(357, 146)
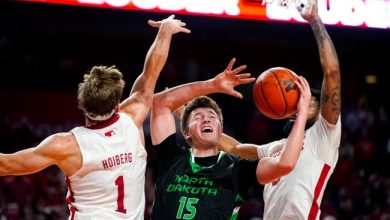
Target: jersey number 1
(188, 204)
(121, 194)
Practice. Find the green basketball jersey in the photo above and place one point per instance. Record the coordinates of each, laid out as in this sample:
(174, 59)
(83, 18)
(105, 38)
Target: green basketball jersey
(187, 190)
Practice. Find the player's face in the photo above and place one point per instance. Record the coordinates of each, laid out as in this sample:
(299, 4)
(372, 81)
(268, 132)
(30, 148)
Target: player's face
(204, 128)
(314, 108)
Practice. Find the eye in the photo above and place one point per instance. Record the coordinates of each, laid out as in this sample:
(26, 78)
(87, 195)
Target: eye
(198, 117)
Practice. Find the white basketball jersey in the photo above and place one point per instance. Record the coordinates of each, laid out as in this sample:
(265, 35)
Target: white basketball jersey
(110, 183)
(298, 195)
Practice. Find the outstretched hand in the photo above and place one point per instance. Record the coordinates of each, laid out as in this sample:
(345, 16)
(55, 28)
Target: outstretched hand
(228, 79)
(172, 24)
(309, 12)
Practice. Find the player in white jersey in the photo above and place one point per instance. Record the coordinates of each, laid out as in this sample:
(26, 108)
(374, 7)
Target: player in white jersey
(298, 195)
(104, 162)
(115, 153)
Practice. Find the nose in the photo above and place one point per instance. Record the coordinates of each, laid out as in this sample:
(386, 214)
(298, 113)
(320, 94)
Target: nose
(206, 119)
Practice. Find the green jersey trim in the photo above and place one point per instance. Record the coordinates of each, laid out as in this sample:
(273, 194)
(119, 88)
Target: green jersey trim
(196, 167)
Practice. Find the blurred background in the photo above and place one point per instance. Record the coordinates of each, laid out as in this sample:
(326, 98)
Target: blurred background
(46, 48)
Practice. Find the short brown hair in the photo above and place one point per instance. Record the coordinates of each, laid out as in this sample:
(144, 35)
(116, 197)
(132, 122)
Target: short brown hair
(101, 90)
(199, 102)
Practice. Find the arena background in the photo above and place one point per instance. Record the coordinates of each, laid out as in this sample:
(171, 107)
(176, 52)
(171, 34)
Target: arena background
(45, 50)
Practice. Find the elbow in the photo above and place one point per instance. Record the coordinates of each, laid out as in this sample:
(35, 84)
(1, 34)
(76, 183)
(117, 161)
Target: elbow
(156, 100)
(281, 170)
(332, 71)
(285, 167)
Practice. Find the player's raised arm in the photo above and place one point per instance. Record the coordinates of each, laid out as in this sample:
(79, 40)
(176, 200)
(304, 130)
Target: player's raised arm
(164, 103)
(331, 85)
(271, 168)
(141, 95)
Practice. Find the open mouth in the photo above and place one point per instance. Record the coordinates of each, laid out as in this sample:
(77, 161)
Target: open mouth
(207, 129)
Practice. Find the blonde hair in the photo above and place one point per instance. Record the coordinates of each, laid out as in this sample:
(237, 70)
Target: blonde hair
(101, 90)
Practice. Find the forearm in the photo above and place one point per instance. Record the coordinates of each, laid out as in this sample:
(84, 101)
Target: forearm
(294, 143)
(154, 62)
(331, 87)
(327, 51)
(177, 96)
(228, 144)
(3, 165)
(11, 165)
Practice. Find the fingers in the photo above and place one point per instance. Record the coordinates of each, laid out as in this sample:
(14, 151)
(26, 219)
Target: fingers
(185, 30)
(182, 25)
(302, 85)
(238, 69)
(237, 94)
(304, 82)
(230, 65)
(153, 23)
(298, 82)
(247, 80)
(244, 75)
(176, 25)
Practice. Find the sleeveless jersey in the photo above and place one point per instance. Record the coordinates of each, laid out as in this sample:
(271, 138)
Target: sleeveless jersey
(298, 195)
(186, 190)
(110, 183)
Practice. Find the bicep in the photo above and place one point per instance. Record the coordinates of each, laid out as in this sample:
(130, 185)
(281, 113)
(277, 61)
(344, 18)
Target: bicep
(331, 97)
(162, 124)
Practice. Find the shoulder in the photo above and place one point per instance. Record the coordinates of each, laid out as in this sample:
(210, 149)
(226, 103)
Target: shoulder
(170, 146)
(57, 148)
(322, 125)
(170, 140)
(61, 144)
(64, 150)
(230, 157)
(237, 160)
(62, 139)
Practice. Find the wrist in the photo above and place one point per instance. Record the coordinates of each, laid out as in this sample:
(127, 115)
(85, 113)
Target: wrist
(315, 21)
(302, 114)
(213, 85)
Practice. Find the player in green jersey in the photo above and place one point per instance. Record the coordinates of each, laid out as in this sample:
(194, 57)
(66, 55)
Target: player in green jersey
(201, 182)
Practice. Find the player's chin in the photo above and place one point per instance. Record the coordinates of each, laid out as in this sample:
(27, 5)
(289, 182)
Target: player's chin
(209, 137)
(292, 118)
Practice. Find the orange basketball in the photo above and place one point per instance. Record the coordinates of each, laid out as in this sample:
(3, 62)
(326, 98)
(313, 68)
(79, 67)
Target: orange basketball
(275, 93)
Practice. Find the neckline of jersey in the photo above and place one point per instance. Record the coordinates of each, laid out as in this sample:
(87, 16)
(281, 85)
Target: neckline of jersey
(196, 167)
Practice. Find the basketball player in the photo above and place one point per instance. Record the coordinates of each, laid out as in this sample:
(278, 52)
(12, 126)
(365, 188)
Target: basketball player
(202, 182)
(104, 161)
(298, 195)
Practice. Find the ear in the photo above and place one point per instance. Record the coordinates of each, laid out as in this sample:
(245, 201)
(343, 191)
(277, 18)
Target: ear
(221, 129)
(185, 134)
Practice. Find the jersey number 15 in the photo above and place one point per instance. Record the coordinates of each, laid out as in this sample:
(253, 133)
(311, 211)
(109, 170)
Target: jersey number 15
(188, 204)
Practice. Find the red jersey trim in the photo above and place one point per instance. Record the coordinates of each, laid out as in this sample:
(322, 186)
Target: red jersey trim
(107, 123)
(320, 184)
(70, 200)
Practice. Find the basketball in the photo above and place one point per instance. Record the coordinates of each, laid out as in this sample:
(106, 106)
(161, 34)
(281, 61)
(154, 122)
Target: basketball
(275, 93)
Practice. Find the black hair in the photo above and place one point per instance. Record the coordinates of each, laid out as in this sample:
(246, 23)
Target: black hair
(316, 93)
